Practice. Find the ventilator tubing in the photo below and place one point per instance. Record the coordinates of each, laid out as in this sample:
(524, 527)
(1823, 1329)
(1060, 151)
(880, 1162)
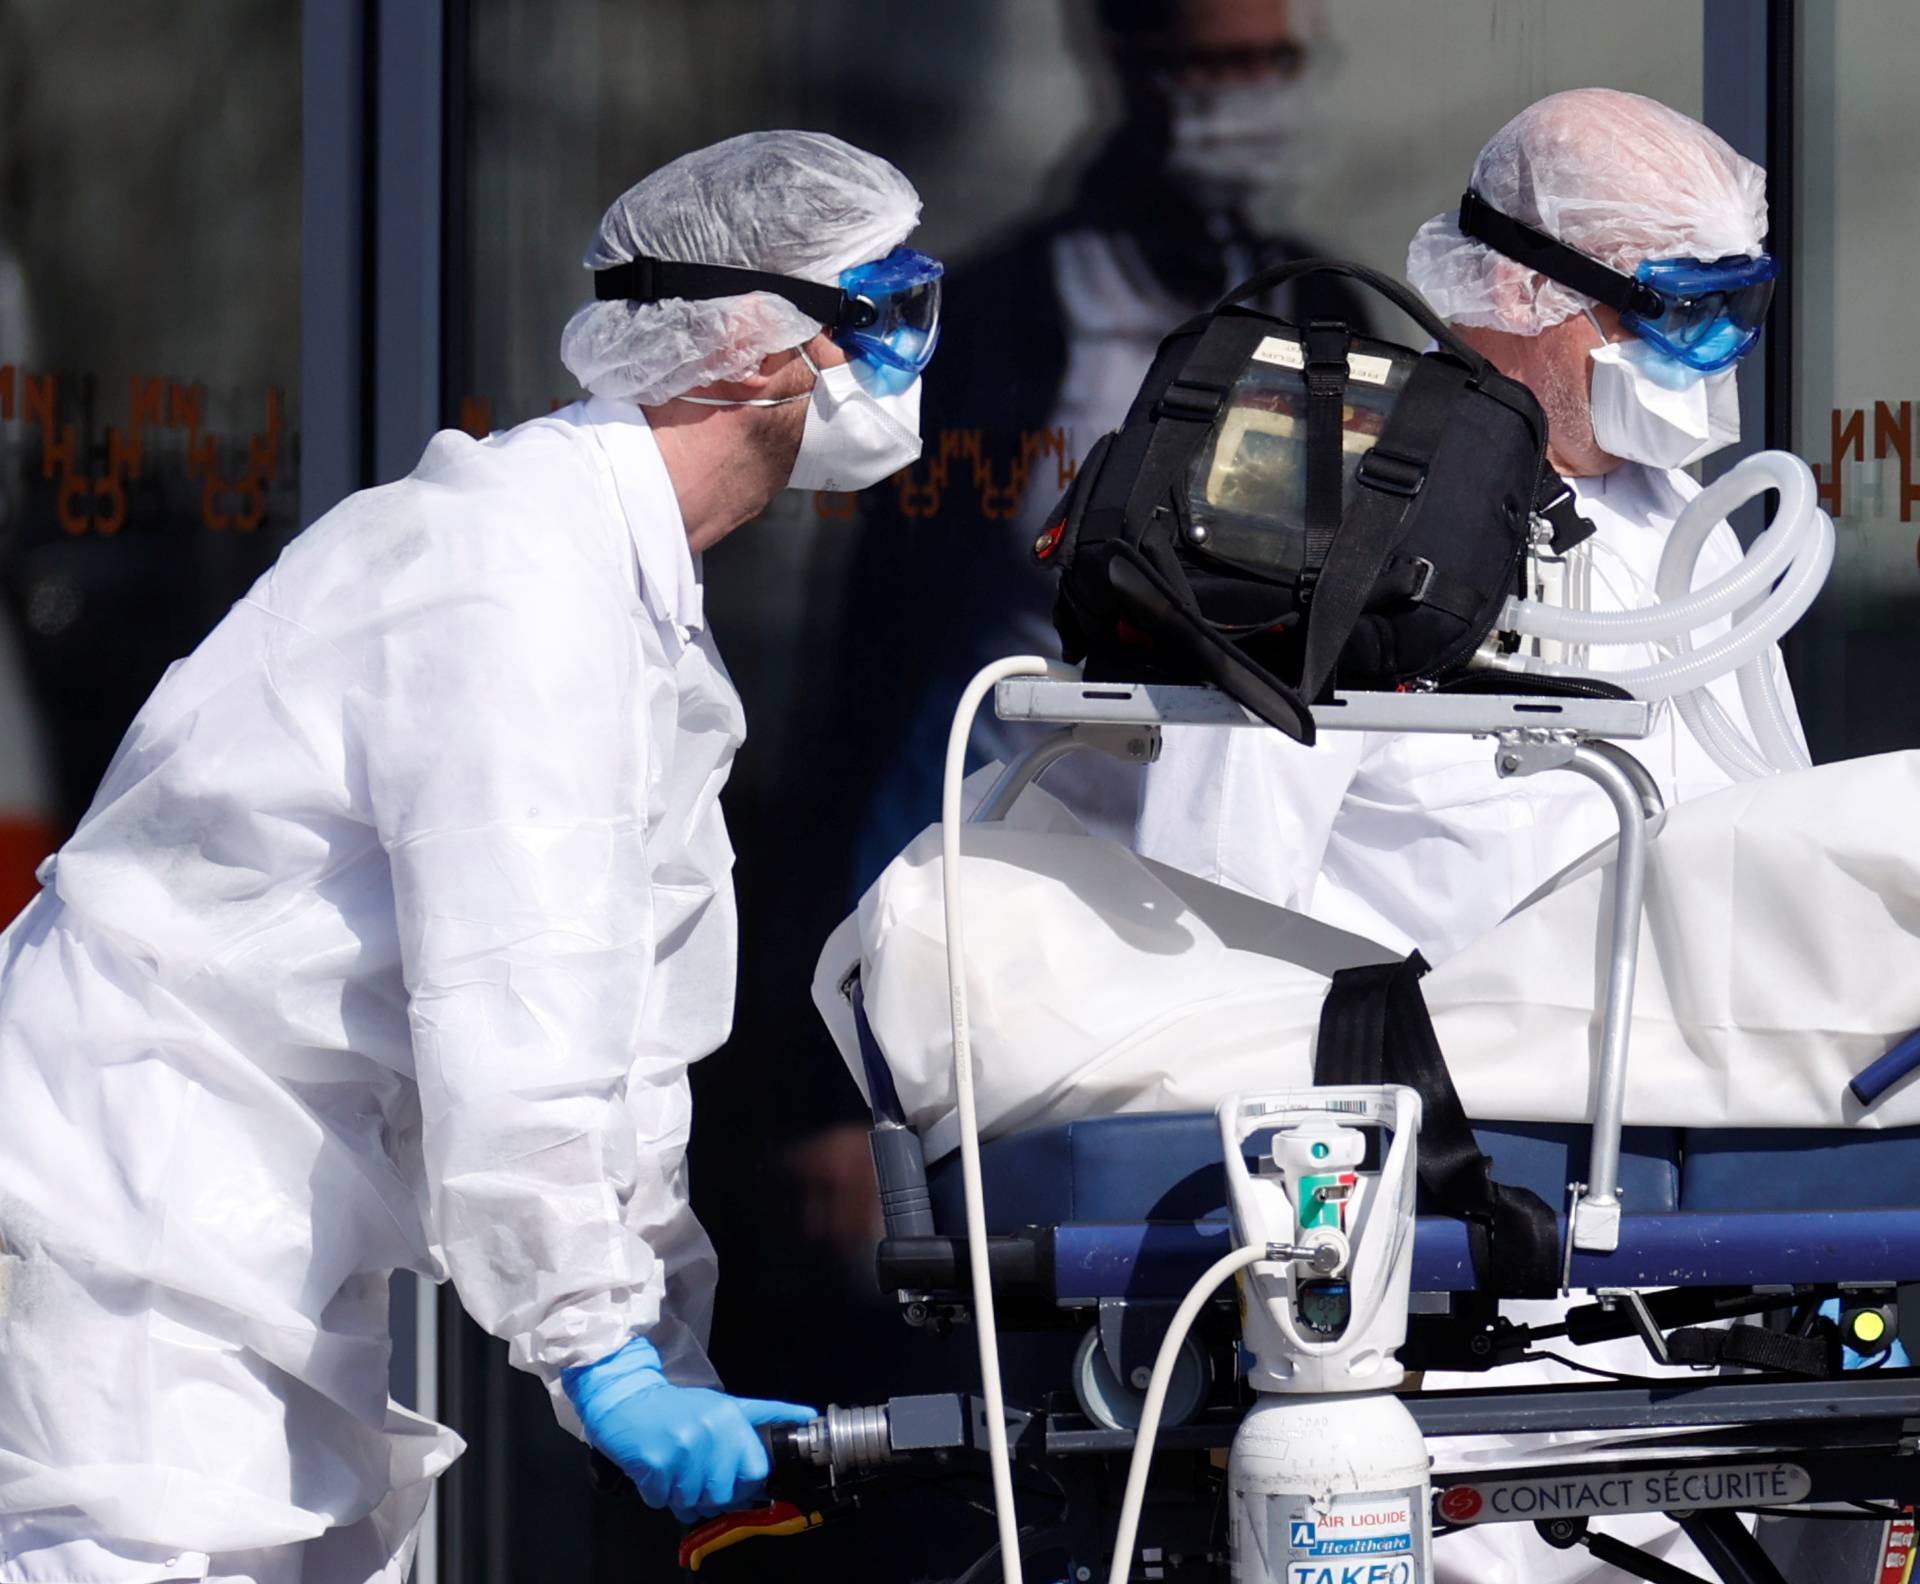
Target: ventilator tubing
(1771, 588)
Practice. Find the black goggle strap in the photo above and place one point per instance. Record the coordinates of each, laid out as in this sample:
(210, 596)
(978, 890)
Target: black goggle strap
(1525, 244)
(646, 280)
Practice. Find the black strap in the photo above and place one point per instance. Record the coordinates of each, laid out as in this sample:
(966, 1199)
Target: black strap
(1756, 1347)
(883, 1098)
(1152, 586)
(1195, 395)
(1374, 1029)
(1152, 604)
(1186, 409)
(1403, 297)
(1528, 245)
(1326, 371)
(1414, 580)
(1393, 474)
(653, 280)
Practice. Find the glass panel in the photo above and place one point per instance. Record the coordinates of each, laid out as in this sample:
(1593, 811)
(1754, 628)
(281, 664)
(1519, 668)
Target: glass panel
(149, 362)
(1856, 351)
(850, 623)
(1254, 466)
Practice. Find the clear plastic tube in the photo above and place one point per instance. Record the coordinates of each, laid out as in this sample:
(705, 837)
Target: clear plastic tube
(1693, 668)
(1773, 723)
(1779, 611)
(1770, 555)
(1677, 609)
(1778, 746)
(1726, 745)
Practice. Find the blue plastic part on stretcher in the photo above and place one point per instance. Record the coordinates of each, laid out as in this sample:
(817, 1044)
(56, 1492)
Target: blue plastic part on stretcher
(1140, 1203)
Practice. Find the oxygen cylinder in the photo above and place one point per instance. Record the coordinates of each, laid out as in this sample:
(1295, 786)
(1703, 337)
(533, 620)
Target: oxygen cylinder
(1329, 1489)
(1328, 1478)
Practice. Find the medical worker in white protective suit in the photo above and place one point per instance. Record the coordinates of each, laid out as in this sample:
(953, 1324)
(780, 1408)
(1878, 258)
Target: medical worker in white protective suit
(1415, 840)
(401, 914)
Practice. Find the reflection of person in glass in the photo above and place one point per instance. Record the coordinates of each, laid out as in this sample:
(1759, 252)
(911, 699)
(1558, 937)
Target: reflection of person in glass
(1052, 330)
(1161, 221)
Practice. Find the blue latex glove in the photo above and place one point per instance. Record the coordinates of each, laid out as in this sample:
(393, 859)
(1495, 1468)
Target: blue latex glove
(690, 1450)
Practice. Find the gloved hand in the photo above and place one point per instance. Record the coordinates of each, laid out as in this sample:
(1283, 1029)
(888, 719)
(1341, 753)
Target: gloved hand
(688, 1449)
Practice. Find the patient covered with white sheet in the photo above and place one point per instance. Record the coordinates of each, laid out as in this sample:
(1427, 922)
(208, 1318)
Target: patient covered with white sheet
(1780, 956)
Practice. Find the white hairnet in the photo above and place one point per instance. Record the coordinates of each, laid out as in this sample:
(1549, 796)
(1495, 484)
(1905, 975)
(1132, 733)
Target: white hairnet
(1620, 177)
(793, 203)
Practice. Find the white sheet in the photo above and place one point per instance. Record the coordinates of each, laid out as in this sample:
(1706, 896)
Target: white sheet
(1780, 955)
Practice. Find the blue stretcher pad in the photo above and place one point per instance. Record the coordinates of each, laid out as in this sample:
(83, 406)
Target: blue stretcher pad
(1140, 1204)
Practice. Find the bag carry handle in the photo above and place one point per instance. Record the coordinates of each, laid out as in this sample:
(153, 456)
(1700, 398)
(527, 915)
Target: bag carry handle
(1402, 296)
(1144, 595)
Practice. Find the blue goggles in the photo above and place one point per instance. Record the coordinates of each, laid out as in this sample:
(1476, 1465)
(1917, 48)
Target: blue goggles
(1709, 313)
(890, 347)
(1706, 314)
(885, 313)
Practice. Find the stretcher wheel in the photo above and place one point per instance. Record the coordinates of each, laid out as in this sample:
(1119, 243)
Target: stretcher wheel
(1107, 1400)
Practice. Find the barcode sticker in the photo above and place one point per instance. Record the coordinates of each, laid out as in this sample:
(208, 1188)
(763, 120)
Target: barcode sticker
(1282, 352)
(1362, 366)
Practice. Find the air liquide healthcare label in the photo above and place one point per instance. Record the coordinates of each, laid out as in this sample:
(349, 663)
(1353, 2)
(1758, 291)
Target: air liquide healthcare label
(1378, 1538)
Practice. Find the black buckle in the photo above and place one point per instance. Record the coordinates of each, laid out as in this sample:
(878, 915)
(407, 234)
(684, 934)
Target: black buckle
(1391, 472)
(1191, 401)
(1549, 507)
(1422, 580)
(1326, 344)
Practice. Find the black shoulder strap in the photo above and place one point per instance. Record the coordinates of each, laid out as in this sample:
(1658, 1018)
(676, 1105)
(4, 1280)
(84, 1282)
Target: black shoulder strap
(1185, 411)
(1142, 580)
(1392, 475)
(1326, 371)
(1140, 589)
(1374, 1029)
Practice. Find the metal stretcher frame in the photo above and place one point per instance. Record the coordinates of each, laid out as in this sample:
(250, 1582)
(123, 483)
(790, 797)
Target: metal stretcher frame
(1835, 1450)
(1849, 1439)
(1532, 735)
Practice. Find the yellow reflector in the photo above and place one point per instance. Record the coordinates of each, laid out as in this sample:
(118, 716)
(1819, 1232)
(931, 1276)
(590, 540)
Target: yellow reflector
(1869, 1325)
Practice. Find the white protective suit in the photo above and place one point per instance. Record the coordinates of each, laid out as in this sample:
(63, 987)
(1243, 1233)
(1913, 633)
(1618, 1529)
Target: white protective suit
(1415, 841)
(387, 943)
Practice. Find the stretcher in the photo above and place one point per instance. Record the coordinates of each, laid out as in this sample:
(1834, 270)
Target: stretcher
(1765, 1266)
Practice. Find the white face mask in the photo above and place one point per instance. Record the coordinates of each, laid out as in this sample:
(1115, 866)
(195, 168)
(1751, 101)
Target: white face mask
(1232, 140)
(1648, 408)
(853, 439)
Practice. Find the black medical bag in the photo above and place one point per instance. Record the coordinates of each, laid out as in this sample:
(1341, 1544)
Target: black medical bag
(1290, 508)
